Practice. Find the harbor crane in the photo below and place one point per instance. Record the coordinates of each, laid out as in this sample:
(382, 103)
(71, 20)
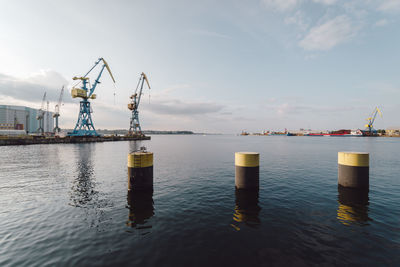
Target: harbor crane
(369, 129)
(47, 117)
(40, 116)
(56, 114)
(134, 128)
(84, 126)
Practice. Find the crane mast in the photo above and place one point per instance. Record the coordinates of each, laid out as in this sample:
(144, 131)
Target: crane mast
(84, 126)
(56, 114)
(48, 117)
(134, 128)
(40, 116)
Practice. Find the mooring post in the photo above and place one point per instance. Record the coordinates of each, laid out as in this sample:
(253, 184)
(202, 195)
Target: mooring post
(247, 170)
(140, 171)
(353, 169)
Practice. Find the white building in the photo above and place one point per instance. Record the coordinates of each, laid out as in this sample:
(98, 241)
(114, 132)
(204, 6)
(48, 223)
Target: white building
(23, 118)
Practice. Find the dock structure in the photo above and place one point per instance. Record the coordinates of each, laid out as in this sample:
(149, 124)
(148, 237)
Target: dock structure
(34, 140)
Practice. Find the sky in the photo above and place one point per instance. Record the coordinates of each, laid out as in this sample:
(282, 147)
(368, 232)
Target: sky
(213, 66)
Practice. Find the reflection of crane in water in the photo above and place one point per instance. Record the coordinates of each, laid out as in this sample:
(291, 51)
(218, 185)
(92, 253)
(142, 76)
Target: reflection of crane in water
(141, 209)
(83, 188)
(246, 209)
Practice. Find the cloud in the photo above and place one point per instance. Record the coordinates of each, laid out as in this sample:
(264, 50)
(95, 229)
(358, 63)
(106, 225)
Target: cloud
(281, 5)
(325, 2)
(390, 5)
(298, 19)
(288, 108)
(179, 108)
(329, 34)
(32, 88)
(381, 23)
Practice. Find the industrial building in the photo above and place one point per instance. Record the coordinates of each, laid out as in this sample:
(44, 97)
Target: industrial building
(393, 131)
(23, 118)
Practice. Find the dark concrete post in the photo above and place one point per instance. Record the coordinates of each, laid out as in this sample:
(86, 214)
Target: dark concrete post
(353, 169)
(247, 169)
(140, 171)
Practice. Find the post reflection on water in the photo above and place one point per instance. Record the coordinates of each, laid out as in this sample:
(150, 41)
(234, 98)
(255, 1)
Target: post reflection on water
(246, 209)
(141, 209)
(83, 189)
(353, 206)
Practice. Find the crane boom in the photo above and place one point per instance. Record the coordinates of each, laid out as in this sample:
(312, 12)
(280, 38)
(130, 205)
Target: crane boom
(57, 107)
(108, 69)
(43, 101)
(85, 92)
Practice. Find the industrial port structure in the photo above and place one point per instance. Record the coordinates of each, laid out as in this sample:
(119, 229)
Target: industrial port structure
(24, 120)
(15, 119)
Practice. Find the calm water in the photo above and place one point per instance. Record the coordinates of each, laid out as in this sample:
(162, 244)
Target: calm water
(68, 205)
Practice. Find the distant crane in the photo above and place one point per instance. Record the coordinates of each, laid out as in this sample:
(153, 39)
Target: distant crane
(56, 114)
(15, 120)
(48, 117)
(84, 126)
(369, 129)
(134, 127)
(40, 116)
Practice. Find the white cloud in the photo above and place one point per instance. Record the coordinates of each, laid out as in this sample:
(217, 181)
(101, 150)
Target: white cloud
(281, 5)
(381, 23)
(298, 19)
(32, 88)
(329, 34)
(178, 107)
(325, 2)
(290, 109)
(47, 78)
(390, 5)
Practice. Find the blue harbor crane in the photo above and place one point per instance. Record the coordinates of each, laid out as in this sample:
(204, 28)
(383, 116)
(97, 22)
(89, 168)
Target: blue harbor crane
(84, 126)
(369, 129)
(135, 128)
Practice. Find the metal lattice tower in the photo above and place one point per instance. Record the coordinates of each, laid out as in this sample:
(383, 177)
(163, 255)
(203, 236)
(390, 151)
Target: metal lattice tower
(134, 127)
(40, 116)
(56, 114)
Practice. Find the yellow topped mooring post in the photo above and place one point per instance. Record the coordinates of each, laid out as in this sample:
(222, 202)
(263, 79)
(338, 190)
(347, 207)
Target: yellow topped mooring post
(353, 169)
(140, 171)
(247, 169)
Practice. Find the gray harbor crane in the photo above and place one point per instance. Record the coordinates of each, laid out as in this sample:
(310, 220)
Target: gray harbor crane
(56, 114)
(40, 116)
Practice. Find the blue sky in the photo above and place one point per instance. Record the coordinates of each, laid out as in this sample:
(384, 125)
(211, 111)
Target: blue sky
(214, 66)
